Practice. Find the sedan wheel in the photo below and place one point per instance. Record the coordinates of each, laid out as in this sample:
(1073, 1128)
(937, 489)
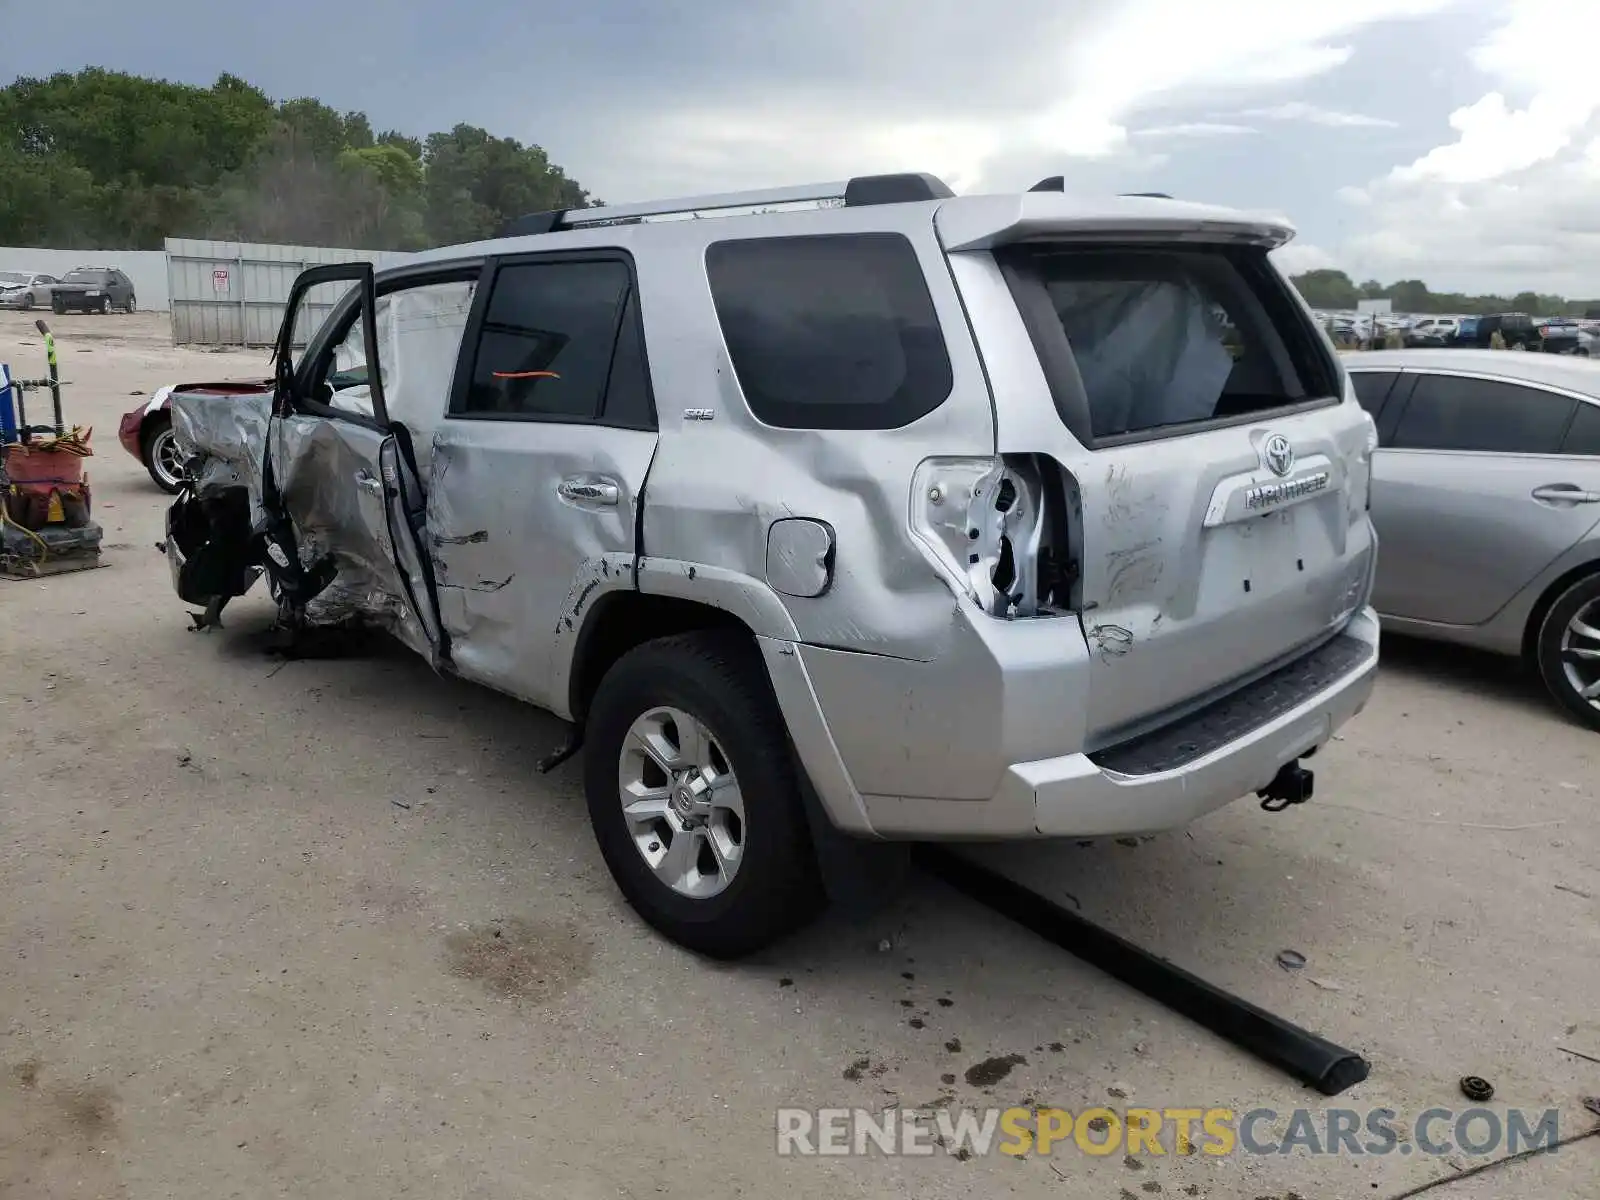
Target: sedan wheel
(27, 302)
(1568, 651)
(162, 456)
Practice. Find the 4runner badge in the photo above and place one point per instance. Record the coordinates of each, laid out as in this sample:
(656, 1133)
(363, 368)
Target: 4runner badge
(1278, 455)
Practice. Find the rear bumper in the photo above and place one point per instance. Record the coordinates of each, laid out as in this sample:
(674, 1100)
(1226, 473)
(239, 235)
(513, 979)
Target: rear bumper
(1163, 780)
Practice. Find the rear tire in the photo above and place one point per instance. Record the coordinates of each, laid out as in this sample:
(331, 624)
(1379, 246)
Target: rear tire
(159, 450)
(1562, 650)
(132, 305)
(746, 900)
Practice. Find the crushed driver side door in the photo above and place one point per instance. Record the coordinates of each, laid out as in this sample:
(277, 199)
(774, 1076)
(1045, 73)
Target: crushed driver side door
(344, 505)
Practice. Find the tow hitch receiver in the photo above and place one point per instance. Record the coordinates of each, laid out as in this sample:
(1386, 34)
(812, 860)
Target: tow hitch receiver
(1292, 784)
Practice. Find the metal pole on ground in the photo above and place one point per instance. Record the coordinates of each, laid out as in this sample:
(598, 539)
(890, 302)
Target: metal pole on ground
(55, 374)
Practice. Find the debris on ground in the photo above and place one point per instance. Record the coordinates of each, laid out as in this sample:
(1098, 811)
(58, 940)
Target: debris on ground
(1475, 1087)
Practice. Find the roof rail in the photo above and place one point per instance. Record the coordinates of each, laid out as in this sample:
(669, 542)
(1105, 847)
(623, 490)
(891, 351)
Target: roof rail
(860, 192)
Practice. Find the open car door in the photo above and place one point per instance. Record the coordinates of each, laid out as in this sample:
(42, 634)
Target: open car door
(343, 534)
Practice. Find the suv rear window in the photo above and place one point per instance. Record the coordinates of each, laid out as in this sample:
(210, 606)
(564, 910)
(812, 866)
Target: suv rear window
(832, 331)
(1139, 339)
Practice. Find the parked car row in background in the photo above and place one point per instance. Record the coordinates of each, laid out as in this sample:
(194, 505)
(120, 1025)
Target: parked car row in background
(82, 289)
(1518, 331)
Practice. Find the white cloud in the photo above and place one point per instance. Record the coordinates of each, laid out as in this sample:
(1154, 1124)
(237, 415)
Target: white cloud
(1512, 200)
(1299, 110)
(1066, 84)
(1193, 129)
(1497, 140)
(1299, 257)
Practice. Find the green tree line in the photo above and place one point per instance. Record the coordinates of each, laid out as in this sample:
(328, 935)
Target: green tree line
(105, 160)
(1329, 288)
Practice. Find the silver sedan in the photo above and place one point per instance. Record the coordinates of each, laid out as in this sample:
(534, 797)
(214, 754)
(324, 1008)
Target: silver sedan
(25, 289)
(1486, 499)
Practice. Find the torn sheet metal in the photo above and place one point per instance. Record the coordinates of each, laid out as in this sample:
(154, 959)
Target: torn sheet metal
(327, 473)
(227, 434)
(332, 476)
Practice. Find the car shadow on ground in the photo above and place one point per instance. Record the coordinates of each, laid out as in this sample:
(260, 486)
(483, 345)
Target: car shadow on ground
(1462, 669)
(1163, 890)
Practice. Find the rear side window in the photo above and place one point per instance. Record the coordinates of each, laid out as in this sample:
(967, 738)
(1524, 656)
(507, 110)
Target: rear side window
(830, 332)
(547, 340)
(1135, 340)
(1447, 412)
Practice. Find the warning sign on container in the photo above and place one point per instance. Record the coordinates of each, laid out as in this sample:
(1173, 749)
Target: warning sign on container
(219, 280)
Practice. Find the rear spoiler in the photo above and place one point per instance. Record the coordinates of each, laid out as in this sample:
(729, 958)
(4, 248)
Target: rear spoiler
(984, 222)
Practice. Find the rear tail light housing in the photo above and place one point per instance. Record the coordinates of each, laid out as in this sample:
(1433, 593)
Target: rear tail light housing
(997, 529)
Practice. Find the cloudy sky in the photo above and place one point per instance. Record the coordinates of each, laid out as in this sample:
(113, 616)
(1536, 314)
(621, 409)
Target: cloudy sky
(1457, 141)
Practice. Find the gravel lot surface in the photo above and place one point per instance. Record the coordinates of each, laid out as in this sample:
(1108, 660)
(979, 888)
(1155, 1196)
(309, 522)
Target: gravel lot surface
(317, 929)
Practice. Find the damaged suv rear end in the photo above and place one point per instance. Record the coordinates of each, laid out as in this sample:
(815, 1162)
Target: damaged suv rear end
(874, 513)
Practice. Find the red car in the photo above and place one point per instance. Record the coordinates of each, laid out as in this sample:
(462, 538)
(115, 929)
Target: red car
(146, 431)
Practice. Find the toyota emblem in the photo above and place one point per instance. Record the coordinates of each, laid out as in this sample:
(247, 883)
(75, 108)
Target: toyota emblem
(1278, 455)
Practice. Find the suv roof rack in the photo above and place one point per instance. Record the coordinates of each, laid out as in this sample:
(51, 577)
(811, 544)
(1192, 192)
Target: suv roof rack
(859, 192)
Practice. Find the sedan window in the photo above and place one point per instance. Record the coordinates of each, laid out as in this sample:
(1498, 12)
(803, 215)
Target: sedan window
(1372, 389)
(1447, 412)
(1584, 436)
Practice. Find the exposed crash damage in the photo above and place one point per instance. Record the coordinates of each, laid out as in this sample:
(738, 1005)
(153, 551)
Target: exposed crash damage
(230, 525)
(987, 517)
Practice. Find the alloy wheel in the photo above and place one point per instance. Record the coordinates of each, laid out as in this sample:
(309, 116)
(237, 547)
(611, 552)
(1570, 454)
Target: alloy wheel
(682, 803)
(166, 460)
(1580, 653)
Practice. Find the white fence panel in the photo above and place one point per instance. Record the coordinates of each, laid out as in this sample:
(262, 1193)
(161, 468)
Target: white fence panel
(233, 293)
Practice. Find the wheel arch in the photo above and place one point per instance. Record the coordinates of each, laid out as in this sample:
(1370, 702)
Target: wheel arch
(1546, 601)
(621, 620)
(150, 421)
(859, 872)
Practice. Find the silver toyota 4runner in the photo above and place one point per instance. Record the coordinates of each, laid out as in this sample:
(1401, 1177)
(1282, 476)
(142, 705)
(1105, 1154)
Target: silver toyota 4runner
(850, 513)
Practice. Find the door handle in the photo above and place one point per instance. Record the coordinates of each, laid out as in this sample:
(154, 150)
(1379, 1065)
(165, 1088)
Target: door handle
(589, 490)
(1565, 493)
(368, 482)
